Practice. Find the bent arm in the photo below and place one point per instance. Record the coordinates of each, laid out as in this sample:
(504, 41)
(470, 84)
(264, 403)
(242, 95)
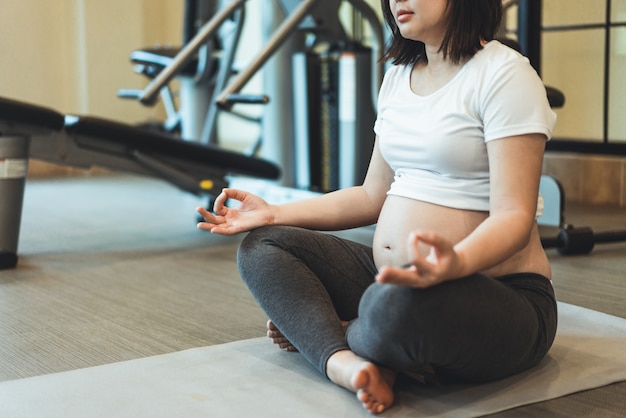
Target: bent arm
(515, 165)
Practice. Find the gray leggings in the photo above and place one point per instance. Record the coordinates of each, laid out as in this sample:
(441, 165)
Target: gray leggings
(472, 329)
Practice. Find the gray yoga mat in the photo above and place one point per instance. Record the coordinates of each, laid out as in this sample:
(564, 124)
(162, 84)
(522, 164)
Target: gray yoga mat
(251, 378)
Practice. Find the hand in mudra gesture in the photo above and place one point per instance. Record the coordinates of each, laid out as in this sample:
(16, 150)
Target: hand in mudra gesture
(253, 212)
(442, 263)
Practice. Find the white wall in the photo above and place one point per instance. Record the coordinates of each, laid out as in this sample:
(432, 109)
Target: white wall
(72, 55)
(37, 61)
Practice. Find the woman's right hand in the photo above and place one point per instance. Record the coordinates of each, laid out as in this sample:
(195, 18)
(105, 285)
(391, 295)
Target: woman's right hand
(253, 212)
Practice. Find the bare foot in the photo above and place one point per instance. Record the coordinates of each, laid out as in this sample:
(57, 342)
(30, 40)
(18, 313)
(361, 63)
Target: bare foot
(278, 338)
(373, 385)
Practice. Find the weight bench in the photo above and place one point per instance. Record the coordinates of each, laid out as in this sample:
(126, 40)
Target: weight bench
(18, 123)
(31, 131)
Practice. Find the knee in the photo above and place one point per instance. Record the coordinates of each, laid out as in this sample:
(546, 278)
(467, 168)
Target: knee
(252, 242)
(261, 247)
(393, 312)
(384, 302)
(262, 236)
(253, 248)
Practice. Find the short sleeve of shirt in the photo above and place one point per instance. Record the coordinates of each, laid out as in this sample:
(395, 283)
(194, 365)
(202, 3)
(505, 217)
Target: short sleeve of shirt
(514, 101)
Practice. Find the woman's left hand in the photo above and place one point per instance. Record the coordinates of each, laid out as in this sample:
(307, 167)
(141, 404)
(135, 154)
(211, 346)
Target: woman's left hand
(442, 263)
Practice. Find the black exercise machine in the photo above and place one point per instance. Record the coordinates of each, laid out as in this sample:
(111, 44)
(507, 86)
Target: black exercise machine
(18, 122)
(31, 131)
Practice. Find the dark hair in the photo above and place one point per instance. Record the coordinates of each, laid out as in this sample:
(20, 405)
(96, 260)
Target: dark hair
(469, 22)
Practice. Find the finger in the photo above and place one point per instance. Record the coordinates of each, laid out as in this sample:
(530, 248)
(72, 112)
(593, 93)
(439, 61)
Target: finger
(413, 246)
(436, 241)
(401, 276)
(425, 270)
(219, 204)
(224, 229)
(439, 247)
(414, 253)
(206, 226)
(427, 237)
(235, 194)
(202, 211)
(208, 216)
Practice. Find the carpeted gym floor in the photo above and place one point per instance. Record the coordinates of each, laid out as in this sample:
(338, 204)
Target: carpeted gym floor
(100, 280)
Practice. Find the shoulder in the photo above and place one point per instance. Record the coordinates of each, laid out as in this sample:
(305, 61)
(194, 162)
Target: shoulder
(395, 79)
(498, 53)
(497, 61)
(498, 70)
(394, 75)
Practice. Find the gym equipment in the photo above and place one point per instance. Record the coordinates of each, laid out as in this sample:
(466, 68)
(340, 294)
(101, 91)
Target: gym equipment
(318, 18)
(581, 240)
(335, 79)
(208, 56)
(335, 88)
(208, 67)
(333, 116)
(570, 240)
(30, 131)
(18, 122)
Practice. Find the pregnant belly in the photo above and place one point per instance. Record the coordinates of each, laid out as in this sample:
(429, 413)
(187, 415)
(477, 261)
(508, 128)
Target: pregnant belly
(400, 216)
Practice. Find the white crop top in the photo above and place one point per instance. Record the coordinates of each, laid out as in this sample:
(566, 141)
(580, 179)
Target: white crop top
(436, 144)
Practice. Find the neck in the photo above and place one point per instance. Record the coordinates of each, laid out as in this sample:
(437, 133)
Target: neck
(436, 60)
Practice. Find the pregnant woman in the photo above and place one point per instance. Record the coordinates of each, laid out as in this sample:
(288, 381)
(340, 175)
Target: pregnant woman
(456, 279)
